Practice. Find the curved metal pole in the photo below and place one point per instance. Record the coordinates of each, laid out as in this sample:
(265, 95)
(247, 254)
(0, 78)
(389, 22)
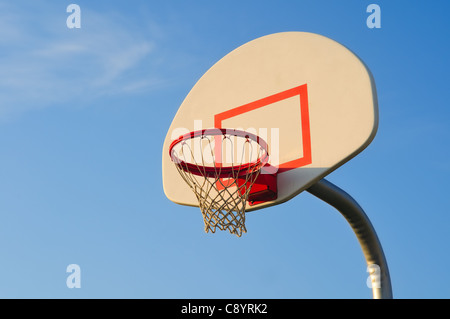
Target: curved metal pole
(363, 229)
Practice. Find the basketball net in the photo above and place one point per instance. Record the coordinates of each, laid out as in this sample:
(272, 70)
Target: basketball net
(221, 190)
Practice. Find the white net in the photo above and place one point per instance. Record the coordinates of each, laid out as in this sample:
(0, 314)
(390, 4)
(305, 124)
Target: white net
(220, 169)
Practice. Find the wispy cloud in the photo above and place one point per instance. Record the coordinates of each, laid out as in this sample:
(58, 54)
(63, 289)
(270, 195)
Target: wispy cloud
(43, 63)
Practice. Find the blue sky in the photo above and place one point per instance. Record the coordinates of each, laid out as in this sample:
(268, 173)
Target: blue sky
(83, 116)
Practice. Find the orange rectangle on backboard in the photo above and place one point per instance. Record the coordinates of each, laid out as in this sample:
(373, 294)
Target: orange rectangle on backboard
(305, 155)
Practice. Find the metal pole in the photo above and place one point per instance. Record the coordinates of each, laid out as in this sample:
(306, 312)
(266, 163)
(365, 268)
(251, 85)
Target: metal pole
(364, 231)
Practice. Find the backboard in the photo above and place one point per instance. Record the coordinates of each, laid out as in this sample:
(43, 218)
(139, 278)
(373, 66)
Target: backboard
(310, 98)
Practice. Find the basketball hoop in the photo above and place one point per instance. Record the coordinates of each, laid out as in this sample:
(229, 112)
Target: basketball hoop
(220, 166)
